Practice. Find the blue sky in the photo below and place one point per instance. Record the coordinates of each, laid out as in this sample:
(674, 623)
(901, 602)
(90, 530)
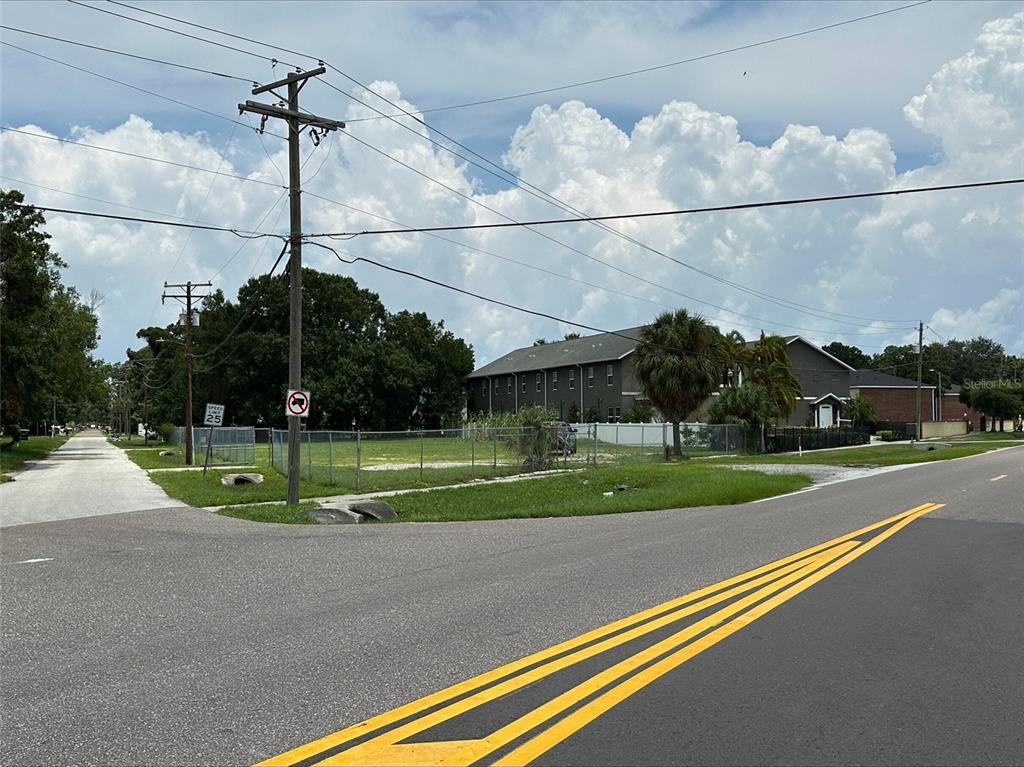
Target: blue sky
(855, 78)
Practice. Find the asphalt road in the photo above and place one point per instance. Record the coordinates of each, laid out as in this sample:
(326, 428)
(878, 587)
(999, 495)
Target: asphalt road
(180, 637)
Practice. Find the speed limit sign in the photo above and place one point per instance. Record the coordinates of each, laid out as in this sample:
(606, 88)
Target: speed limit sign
(297, 403)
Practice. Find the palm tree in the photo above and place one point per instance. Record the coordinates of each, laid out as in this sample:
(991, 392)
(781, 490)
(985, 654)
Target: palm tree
(770, 369)
(678, 364)
(737, 355)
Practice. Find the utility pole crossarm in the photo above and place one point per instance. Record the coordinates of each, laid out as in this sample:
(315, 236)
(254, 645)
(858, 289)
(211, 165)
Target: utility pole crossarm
(287, 114)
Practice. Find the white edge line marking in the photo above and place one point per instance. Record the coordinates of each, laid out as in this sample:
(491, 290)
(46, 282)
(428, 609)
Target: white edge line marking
(33, 561)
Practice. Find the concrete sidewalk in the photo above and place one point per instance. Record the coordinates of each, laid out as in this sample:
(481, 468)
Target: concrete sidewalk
(85, 477)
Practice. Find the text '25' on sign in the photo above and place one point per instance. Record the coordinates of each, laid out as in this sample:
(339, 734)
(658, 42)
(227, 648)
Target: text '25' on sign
(297, 403)
(214, 415)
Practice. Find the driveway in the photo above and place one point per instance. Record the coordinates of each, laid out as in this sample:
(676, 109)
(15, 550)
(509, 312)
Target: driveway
(85, 477)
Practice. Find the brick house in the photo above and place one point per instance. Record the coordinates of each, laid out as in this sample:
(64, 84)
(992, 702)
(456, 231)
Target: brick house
(952, 409)
(895, 398)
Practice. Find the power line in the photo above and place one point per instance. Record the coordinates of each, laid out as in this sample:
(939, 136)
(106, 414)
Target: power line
(129, 55)
(22, 182)
(127, 85)
(602, 288)
(789, 305)
(552, 89)
(496, 301)
(272, 61)
(680, 211)
(552, 200)
(139, 156)
(237, 232)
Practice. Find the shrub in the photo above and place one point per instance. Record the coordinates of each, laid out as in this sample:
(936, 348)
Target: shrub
(887, 435)
(166, 429)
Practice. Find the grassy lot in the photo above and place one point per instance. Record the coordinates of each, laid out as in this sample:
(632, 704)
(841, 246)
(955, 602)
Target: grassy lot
(30, 449)
(885, 455)
(650, 486)
(150, 458)
(273, 512)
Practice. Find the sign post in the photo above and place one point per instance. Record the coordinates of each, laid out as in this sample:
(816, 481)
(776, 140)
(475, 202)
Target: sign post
(214, 417)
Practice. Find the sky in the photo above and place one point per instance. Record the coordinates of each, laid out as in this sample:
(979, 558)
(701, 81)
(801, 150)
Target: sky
(927, 95)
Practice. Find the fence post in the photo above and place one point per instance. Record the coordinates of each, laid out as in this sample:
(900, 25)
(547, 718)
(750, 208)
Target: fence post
(309, 454)
(330, 457)
(472, 451)
(359, 457)
(421, 456)
(494, 446)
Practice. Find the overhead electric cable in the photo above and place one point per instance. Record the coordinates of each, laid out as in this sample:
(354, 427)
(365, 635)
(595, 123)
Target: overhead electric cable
(496, 301)
(269, 59)
(552, 89)
(22, 182)
(129, 85)
(130, 55)
(581, 216)
(237, 232)
(679, 211)
(789, 305)
(140, 156)
(659, 286)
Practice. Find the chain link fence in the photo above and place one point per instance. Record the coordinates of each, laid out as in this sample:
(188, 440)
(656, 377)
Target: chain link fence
(367, 461)
(232, 445)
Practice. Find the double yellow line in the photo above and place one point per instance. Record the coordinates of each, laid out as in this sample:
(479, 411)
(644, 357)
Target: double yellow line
(748, 596)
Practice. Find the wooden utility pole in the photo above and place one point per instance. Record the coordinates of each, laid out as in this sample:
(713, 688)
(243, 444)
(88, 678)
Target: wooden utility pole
(296, 121)
(187, 298)
(920, 358)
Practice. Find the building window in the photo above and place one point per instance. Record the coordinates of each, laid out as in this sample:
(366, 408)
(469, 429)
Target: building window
(538, 381)
(618, 414)
(611, 369)
(554, 381)
(524, 384)
(611, 415)
(497, 385)
(572, 379)
(590, 377)
(508, 388)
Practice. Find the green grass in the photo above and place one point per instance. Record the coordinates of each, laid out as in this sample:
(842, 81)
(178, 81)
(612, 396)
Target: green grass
(30, 449)
(273, 512)
(885, 455)
(651, 486)
(134, 440)
(986, 436)
(150, 458)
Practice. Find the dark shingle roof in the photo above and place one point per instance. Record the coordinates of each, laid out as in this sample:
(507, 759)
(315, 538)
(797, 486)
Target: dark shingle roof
(866, 377)
(602, 347)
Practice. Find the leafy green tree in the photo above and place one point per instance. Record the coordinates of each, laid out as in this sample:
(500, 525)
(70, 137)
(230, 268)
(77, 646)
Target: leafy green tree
(851, 355)
(48, 332)
(896, 360)
(748, 406)
(640, 411)
(859, 410)
(678, 363)
(365, 366)
(995, 402)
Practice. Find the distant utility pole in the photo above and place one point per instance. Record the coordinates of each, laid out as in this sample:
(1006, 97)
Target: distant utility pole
(920, 357)
(296, 121)
(187, 298)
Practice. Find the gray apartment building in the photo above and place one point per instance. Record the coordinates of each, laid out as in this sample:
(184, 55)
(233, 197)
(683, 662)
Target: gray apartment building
(597, 372)
(592, 371)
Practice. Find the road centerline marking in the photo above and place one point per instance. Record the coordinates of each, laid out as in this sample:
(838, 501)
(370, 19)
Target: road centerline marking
(558, 732)
(380, 738)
